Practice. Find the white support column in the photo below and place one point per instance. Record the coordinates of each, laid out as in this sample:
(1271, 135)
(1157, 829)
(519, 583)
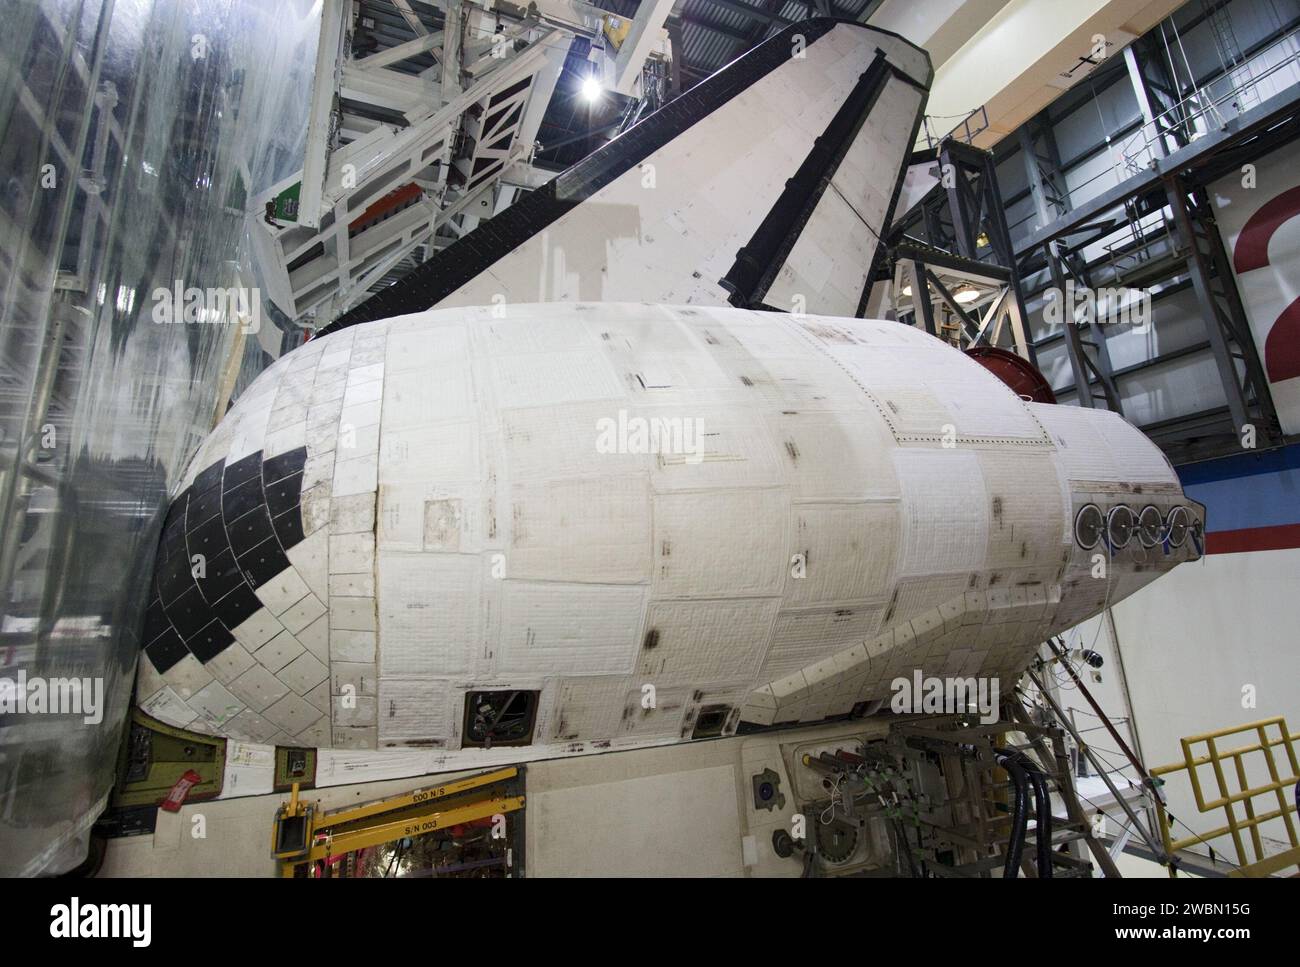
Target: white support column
(451, 49)
(393, 55)
(636, 46)
(320, 122)
(404, 8)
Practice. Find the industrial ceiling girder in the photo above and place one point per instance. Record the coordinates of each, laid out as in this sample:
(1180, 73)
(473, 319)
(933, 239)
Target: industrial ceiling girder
(1200, 157)
(715, 27)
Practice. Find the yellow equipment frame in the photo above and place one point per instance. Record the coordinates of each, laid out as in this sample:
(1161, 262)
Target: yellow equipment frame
(317, 835)
(1246, 794)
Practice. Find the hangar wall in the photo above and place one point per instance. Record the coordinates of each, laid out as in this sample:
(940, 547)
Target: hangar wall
(1095, 130)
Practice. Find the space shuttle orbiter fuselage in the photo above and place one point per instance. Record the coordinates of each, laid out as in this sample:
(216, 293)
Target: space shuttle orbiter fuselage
(585, 502)
(762, 517)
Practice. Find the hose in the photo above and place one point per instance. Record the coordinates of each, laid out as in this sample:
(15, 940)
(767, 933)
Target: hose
(1042, 809)
(1019, 815)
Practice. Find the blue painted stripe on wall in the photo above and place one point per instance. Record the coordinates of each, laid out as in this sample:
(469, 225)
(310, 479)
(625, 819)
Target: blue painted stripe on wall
(1251, 490)
(1242, 465)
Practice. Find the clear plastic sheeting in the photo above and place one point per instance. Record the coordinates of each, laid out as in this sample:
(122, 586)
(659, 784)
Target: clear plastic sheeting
(131, 134)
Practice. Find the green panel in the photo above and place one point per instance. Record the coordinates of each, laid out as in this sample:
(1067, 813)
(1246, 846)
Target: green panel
(286, 203)
(154, 756)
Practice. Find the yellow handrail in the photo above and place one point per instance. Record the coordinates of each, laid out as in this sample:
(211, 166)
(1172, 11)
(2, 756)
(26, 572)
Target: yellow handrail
(1244, 795)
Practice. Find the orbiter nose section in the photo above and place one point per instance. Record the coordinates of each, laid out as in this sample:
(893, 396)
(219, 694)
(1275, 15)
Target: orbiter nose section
(225, 600)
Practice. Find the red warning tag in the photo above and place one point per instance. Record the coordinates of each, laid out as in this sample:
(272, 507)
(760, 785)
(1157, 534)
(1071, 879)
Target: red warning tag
(176, 798)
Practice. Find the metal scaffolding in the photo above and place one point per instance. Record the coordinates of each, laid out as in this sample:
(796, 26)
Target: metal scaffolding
(1156, 227)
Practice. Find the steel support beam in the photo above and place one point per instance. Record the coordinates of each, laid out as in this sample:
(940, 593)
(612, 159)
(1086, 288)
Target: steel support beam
(1033, 174)
(969, 326)
(411, 18)
(977, 209)
(636, 46)
(451, 51)
(921, 295)
(1151, 122)
(386, 58)
(335, 16)
(963, 198)
(1043, 174)
(676, 46)
(1245, 385)
(1085, 368)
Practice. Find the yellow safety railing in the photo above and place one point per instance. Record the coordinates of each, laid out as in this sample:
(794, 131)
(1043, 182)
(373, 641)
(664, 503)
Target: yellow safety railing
(1279, 786)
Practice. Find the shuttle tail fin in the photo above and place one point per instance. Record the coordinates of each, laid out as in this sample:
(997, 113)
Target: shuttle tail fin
(768, 185)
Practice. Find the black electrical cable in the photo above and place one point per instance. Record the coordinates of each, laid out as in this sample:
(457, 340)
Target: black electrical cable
(1019, 815)
(1042, 809)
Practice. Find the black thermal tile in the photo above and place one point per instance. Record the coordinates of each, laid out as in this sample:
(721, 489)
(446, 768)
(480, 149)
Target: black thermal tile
(174, 578)
(237, 606)
(173, 530)
(242, 471)
(249, 531)
(209, 478)
(188, 613)
(155, 622)
(282, 495)
(284, 464)
(209, 539)
(165, 651)
(244, 498)
(221, 576)
(176, 512)
(263, 562)
(211, 641)
(203, 507)
(173, 542)
(288, 527)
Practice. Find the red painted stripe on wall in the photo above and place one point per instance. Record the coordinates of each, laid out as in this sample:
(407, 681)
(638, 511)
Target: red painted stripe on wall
(1275, 538)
